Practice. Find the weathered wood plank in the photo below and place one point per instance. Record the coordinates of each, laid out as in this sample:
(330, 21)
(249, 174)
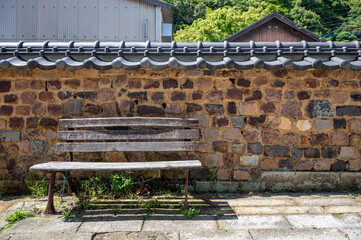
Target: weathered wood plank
(128, 134)
(104, 166)
(127, 147)
(128, 121)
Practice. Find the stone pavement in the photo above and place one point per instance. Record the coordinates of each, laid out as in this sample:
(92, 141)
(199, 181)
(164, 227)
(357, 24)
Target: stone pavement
(222, 216)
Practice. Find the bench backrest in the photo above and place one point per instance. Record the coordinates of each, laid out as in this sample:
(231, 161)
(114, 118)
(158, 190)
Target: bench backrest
(157, 134)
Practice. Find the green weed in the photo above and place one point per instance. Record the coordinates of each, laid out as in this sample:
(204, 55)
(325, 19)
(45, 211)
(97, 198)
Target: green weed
(337, 215)
(17, 216)
(121, 183)
(152, 204)
(214, 174)
(353, 196)
(148, 213)
(67, 215)
(117, 209)
(40, 188)
(94, 187)
(191, 212)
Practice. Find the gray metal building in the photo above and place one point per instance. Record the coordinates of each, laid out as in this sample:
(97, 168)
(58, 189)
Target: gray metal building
(85, 20)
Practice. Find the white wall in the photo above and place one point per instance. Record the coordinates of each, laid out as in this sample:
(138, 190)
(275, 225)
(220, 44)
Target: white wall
(78, 20)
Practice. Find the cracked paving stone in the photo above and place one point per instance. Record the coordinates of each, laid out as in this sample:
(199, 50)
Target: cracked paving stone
(324, 221)
(298, 234)
(138, 235)
(225, 234)
(280, 210)
(352, 234)
(261, 202)
(112, 224)
(52, 236)
(179, 223)
(325, 201)
(254, 222)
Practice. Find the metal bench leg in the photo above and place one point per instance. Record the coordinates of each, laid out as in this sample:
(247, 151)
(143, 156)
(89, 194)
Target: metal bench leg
(50, 209)
(186, 191)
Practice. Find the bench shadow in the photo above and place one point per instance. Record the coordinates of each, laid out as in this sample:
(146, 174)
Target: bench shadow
(164, 209)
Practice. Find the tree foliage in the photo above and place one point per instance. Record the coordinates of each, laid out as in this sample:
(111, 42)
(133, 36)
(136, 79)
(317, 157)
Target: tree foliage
(213, 20)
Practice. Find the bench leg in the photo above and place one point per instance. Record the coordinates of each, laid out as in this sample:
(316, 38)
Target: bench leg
(186, 190)
(50, 209)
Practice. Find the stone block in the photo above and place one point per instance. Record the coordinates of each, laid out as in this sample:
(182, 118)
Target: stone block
(256, 120)
(214, 108)
(38, 109)
(178, 96)
(319, 139)
(339, 97)
(320, 109)
(74, 106)
(32, 122)
(222, 174)
(230, 160)
(351, 180)
(205, 147)
(39, 146)
(329, 151)
(323, 125)
(339, 138)
(249, 160)
(273, 95)
(254, 148)
(276, 151)
(303, 125)
(322, 165)
(54, 85)
(62, 95)
(204, 83)
(311, 152)
(173, 108)
(157, 96)
(238, 121)
(220, 121)
(270, 136)
(73, 83)
(267, 107)
(202, 117)
(251, 135)
(234, 93)
(242, 82)
(3, 123)
(232, 108)
(90, 95)
(256, 95)
(9, 136)
(193, 107)
(339, 123)
(304, 165)
(296, 153)
(106, 94)
(152, 84)
(150, 110)
(46, 96)
(232, 133)
(170, 83)
(22, 111)
(16, 122)
(22, 84)
(134, 83)
(12, 150)
(221, 83)
(354, 125)
(108, 109)
(188, 84)
(238, 147)
(291, 109)
(248, 108)
(55, 109)
(241, 175)
(213, 160)
(220, 146)
(48, 122)
(285, 164)
(197, 95)
(347, 153)
(28, 97)
(214, 95)
(269, 164)
(339, 165)
(349, 110)
(290, 138)
(211, 134)
(303, 95)
(11, 98)
(5, 86)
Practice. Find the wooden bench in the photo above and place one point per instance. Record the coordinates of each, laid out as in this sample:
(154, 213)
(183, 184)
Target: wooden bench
(136, 134)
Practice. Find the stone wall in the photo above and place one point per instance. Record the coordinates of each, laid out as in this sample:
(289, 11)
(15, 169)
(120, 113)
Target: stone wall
(250, 120)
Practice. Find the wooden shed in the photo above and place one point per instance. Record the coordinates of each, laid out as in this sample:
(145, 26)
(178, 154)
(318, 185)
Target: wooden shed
(272, 28)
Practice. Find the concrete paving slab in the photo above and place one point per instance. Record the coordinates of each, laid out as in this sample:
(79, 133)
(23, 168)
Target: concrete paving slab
(138, 236)
(47, 225)
(325, 201)
(352, 234)
(298, 234)
(179, 223)
(5, 236)
(254, 222)
(216, 235)
(343, 209)
(112, 224)
(277, 210)
(260, 202)
(53, 236)
(324, 221)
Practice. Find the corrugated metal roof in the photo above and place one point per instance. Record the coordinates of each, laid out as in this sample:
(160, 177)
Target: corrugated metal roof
(157, 55)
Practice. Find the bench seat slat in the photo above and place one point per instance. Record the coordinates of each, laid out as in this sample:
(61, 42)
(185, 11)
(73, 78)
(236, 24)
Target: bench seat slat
(128, 134)
(128, 121)
(104, 166)
(127, 147)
